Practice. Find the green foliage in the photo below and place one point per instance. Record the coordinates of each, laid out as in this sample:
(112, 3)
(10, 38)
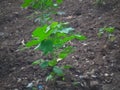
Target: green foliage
(109, 31)
(67, 67)
(46, 46)
(66, 51)
(44, 9)
(58, 71)
(37, 62)
(52, 63)
(44, 64)
(41, 4)
(51, 38)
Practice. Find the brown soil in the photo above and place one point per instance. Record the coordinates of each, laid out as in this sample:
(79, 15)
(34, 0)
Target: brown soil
(96, 61)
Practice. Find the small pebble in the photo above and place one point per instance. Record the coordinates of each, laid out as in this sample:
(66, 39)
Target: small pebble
(16, 89)
(76, 75)
(106, 74)
(99, 18)
(84, 44)
(1, 33)
(93, 76)
(19, 80)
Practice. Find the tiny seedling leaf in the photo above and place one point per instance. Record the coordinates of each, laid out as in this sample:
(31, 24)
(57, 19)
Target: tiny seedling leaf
(80, 37)
(44, 64)
(110, 29)
(58, 71)
(52, 63)
(67, 67)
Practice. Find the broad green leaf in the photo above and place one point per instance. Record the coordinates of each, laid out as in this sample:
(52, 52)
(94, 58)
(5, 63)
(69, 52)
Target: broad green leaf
(26, 3)
(59, 1)
(68, 38)
(32, 43)
(52, 63)
(49, 3)
(44, 64)
(46, 46)
(58, 41)
(49, 30)
(39, 32)
(58, 71)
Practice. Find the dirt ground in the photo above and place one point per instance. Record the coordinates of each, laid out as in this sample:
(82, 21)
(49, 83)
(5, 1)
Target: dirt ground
(96, 61)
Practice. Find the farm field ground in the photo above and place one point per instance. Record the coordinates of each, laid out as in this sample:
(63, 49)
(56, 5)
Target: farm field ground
(96, 61)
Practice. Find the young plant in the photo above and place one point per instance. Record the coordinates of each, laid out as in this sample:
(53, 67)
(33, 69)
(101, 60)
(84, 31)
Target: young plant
(44, 9)
(52, 39)
(42, 5)
(109, 31)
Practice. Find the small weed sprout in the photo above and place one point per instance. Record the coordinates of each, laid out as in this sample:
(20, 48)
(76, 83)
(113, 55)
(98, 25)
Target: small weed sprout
(109, 31)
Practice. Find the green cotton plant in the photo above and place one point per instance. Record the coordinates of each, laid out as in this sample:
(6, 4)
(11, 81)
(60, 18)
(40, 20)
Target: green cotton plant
(109, 31)
(44, 9)
(52, 39)
(41, 4)
(52, 36)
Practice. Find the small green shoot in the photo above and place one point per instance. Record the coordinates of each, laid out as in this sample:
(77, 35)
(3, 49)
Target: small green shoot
(51, 38)
(109, 31)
